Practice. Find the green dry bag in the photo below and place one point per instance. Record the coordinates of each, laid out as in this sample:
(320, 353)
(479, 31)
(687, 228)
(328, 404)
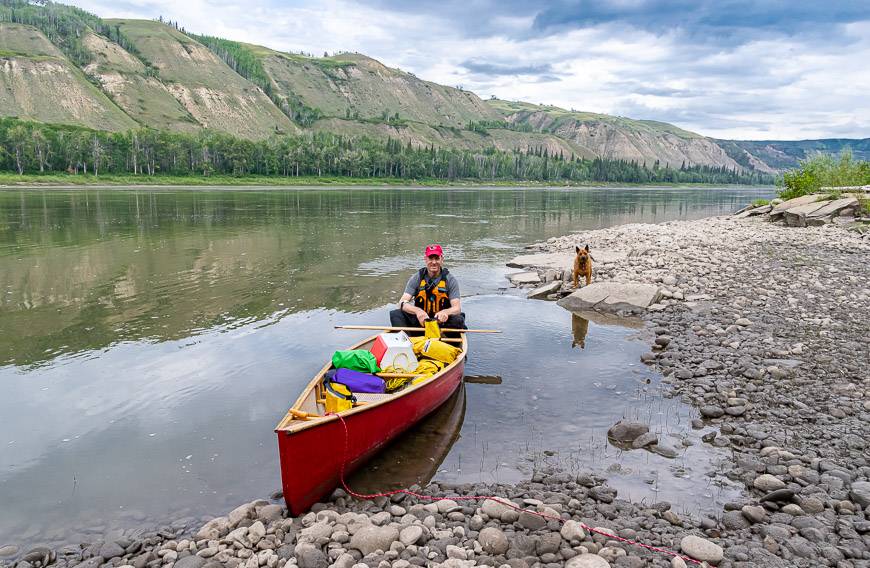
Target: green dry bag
(357, 360)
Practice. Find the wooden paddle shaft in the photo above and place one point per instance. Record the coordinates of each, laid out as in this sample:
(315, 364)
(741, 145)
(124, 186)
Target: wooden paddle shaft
(388, 328)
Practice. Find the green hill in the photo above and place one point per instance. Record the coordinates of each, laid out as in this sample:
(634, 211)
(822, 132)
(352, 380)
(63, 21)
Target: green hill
(62, 65)
(205, 87)
(38, 82)
(616, 137)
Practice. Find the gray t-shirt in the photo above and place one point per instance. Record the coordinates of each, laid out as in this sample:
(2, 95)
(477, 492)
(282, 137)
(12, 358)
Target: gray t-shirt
(413, 285)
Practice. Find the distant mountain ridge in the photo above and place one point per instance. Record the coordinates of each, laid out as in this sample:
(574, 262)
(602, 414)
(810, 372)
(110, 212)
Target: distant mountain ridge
(59, 64)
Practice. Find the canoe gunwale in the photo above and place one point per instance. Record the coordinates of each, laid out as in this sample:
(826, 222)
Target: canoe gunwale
(289, 424)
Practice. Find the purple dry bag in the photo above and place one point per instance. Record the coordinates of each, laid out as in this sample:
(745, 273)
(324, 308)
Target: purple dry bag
(359, 382)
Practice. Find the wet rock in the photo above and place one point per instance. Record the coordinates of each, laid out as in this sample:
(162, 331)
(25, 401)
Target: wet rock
(779, 495)
(111, 550)
(645, 440)
(712, 411)
(8, 550)
(626, 431)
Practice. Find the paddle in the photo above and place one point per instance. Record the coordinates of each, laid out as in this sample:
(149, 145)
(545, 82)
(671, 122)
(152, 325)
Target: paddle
(388, 328)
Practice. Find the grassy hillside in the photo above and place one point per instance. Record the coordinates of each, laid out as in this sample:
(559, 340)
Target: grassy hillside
(133, 87)
(204, 86)
(38, 82)
(616, 137)
(352, 85)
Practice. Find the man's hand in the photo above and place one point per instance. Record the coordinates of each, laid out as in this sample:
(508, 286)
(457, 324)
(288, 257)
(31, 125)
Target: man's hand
(441, 316)
(422, 316)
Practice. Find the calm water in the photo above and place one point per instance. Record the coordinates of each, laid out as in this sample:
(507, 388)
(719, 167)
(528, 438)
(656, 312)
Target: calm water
(151, 340)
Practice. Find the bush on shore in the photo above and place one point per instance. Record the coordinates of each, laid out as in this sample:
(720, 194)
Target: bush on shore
(824, 170)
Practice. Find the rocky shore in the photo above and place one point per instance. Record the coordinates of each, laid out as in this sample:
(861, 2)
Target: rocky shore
(764, 328)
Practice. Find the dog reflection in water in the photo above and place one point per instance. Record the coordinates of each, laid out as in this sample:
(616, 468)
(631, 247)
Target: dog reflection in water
(579, 328)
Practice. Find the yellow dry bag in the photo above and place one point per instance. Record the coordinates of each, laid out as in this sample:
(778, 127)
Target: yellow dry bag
(338, 397)
(432, 331)
(435, 349)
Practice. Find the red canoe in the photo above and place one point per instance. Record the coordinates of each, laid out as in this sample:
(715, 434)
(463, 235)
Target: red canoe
(311, 445)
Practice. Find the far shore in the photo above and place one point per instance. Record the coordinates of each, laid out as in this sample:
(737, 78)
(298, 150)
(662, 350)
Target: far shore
(67, 181)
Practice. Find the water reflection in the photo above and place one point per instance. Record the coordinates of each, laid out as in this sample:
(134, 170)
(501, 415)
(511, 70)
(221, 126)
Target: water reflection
(164, 332)
(415, 457)
(83, 269)
(579, 329)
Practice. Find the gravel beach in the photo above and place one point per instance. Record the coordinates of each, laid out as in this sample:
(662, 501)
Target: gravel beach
(764, 328)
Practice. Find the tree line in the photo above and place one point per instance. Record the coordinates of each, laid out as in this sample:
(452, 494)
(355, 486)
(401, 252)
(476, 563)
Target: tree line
(30, 147)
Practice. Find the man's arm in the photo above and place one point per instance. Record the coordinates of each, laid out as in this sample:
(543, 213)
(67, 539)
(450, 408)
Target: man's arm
(409, 308)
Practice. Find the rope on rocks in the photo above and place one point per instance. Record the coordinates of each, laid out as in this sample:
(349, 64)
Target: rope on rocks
(495, 498)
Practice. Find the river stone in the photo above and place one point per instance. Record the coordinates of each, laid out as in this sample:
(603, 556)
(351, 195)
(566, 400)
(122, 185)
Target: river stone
(214, 529)
(8, 550)
(712, 411)
(493, 541)
(645, 440)
(612, 297)
(767, 483)
(371, 538)
(531, 521)
(241, 512)
(256, 532)
(734, 520)
(754, 513)
(308, 556)
(111, 550)
(190, 562)
(410, 535)
(521, 278)
(587, 561)
(626, 431)
(784, 494)
(270, 513)
(573, 530)
(497, 510)
(702, 549)
(860, 493)
(545, 290)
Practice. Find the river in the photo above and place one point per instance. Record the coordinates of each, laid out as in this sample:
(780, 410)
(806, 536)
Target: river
(150, 340)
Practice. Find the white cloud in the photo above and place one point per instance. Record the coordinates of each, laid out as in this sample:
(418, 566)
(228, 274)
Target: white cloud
(777, 86)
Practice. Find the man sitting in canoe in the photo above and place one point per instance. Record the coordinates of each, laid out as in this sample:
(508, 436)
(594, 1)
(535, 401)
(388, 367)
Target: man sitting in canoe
(432, 292)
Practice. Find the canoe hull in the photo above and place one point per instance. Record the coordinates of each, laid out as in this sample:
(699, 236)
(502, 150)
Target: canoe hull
(311, 459)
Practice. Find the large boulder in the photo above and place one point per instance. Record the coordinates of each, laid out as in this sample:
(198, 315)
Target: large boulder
(779, 210)
(612, 297)
(797, 216)
(831, 209)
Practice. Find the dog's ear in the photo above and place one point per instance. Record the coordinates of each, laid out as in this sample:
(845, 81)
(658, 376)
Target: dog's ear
(577, 248)
(587, 248)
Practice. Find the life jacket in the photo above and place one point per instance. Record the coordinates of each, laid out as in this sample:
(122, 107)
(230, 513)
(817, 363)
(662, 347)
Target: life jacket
(432, 297)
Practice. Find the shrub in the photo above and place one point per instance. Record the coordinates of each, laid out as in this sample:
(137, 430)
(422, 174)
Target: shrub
(824, 170)
(760, 202)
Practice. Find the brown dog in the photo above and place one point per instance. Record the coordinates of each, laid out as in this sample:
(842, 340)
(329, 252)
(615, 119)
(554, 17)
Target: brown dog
(582, 265)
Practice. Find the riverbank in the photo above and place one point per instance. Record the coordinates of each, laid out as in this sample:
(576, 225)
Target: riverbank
(769, 342)
(40, 181)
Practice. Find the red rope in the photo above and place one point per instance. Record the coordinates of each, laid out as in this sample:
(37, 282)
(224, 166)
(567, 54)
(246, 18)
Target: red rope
(494, 498)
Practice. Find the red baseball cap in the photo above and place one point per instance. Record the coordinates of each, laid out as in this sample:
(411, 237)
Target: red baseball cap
(434, 249)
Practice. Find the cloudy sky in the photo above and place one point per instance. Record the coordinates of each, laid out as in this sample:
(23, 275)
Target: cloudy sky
(728, 68)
